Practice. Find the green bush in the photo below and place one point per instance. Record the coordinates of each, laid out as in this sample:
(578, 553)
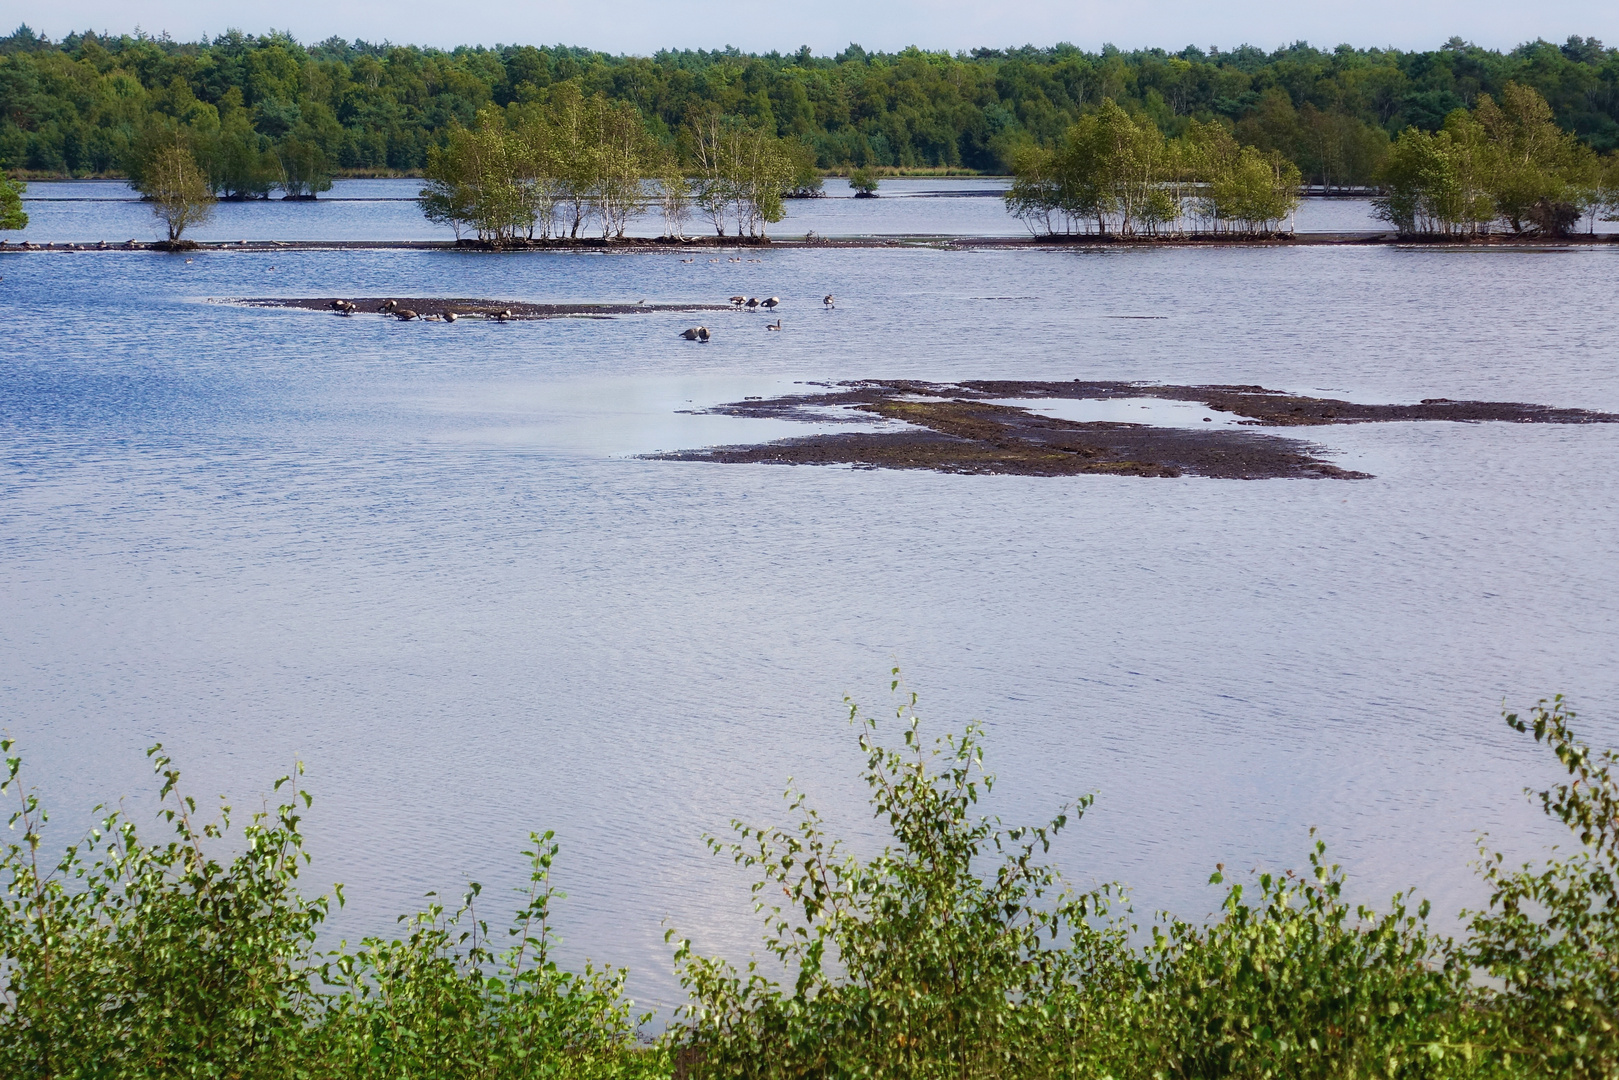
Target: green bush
(953, 952)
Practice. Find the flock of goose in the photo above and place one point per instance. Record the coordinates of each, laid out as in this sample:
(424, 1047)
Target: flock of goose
(693, 333)
(752, 303)
(404, 314)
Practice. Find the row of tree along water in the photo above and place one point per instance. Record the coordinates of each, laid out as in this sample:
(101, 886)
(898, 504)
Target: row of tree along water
(576, 164)
(1504, 166)
(80, 106)
(1116, 174)
(1500, 165)
(956, 951)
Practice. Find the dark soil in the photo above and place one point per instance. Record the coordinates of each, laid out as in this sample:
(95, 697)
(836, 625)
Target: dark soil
(955, 428)
(434, 305)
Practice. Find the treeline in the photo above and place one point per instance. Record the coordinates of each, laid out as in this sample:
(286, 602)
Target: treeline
(85, 105)
(955, 951)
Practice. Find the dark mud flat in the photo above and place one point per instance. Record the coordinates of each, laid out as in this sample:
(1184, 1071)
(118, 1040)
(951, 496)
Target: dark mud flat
(958, 428)
(462, 306)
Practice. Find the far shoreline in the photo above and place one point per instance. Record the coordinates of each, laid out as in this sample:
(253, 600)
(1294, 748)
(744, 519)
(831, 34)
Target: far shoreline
(648, 245)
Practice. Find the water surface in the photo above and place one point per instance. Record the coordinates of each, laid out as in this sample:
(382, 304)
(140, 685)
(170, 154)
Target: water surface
(428, 560)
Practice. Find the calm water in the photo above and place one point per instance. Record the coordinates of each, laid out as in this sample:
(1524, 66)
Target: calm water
(90, 210)
(425, 559)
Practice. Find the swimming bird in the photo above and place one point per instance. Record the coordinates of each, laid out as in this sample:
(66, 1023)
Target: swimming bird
(753, 303)
(828, 301)
(739, 300)
(702, 333)
(773, 326)
(770, 303)
(404, 314)
(503, 316)
(690, 333)
(450, 316)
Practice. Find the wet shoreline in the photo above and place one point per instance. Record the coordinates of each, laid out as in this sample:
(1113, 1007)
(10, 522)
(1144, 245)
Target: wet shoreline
(646, 245)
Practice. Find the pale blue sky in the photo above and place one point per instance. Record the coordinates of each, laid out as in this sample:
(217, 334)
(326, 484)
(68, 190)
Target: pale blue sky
(641, 26)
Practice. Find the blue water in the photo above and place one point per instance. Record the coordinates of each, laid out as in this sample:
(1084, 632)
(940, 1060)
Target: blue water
(427, 560)
(87, 211)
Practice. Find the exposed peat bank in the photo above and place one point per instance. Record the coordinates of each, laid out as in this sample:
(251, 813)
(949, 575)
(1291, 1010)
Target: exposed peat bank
(963, 428)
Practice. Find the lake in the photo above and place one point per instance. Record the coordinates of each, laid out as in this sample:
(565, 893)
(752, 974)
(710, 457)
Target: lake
(80, 211)
(428, 561)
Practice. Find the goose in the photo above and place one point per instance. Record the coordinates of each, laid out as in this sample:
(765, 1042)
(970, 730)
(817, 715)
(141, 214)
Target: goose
(404, 314)
(690, 333)
(753, 303)
(450, 316)
(770, 303)
(431, 318)
(503, 316)
(387, 306)
(702, 333)
(828, 301)
(739, 300)
(773, 326)
(688, 260)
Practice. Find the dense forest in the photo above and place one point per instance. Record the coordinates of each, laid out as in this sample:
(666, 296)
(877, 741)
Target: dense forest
(88, 104)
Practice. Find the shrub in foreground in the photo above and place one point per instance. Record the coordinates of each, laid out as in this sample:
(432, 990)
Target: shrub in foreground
(956, 951)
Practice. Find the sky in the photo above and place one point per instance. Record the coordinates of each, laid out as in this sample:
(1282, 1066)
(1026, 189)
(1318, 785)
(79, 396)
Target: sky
(827, 26)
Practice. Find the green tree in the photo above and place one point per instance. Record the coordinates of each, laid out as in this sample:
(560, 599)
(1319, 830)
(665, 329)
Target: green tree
(177, 190)
(863, 181)
(952, 952)
(305, 167)
(1539, 172)
(12, 215)
(1550, 934)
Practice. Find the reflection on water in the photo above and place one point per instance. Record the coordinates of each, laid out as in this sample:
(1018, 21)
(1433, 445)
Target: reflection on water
(426, 560)
(85, 211)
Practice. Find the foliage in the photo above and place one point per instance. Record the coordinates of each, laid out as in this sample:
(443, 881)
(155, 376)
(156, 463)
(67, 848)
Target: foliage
(1117, 174)
(1505, 162)
(863, 181)
(175, 187)
(954, 951)
(128, 959)
(445, 1003)
(940, 956)
(82, 105)
(1299, 984)
(12, 215)
(1551, 933)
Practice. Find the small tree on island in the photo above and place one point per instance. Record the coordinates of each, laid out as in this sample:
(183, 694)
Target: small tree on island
(864, 183)
(12, 215)
(177, 190)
